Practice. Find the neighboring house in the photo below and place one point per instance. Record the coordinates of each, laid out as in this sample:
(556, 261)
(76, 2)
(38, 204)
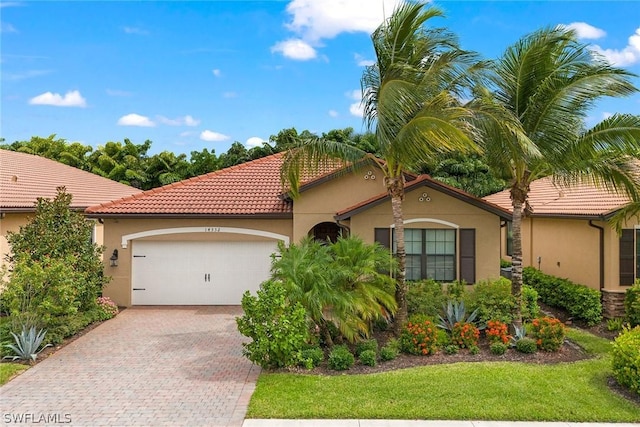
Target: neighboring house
(207, 240)
(568, 235)
(25, 177)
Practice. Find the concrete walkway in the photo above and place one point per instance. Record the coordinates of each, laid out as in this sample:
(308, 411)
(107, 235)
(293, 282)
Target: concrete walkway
(147, 367)
(418, 423)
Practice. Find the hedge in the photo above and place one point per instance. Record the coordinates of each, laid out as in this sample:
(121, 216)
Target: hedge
(579, 301)
(625, 358)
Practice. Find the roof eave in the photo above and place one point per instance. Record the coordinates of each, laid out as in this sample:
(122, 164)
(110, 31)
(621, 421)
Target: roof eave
(277, 215)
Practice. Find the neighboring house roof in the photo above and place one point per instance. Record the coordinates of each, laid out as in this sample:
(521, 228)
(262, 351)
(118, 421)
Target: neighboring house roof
(25, 177)
(426, 181)
(549, 199)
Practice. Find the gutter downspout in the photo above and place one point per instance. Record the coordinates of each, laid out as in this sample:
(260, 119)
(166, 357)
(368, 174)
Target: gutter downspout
(344, 227)
(601, 232)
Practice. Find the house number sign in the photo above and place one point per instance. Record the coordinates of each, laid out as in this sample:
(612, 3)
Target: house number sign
(212, 229)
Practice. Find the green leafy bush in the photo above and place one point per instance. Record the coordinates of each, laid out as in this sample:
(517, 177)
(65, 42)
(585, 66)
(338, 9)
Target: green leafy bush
(425, 297)
(548, 332)
(632, 304)
(465, 335)
(579, 301)
(419, 336)
(451, 349)
(474, 349)
(526, 345)
(340, 358)
(494, 301)
(365, 345)
(530, 307)
(498, 348)
(312, 357)
(278, 329)
(625, 358)
(390, 351)
(615, 325)
(62, 327)
(106, 309)
(368, 358)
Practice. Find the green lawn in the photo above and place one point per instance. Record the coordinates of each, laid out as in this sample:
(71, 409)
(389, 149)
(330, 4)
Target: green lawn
(8, 370)
(483, 391)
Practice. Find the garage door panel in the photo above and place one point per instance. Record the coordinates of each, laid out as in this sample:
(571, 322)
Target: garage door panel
(198, 273)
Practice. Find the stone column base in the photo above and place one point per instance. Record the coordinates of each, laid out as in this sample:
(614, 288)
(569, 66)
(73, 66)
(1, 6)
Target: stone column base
(613, 303)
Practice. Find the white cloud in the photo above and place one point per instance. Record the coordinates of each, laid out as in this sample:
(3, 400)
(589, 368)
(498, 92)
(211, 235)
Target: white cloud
(356, 108)
(117, 92)
(362, 61)
(25, 75)
(135, 120)
(295, 49)
(70, 99)
(209, 135)
(179, 121)
(254, 141)
(135, 30)
(5, 27)
(629, 55)
(586, 31)
(216, 72)
(333, 113)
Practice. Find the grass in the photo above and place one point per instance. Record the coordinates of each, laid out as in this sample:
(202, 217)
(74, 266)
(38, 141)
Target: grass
(9, 370)
(575, 392)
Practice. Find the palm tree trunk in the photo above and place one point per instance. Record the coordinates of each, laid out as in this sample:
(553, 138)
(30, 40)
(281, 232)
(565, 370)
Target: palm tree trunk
(395, 187)
(519, 194)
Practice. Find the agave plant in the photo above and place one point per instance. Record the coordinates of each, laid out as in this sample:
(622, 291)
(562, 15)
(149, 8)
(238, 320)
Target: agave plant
(519, 332)
(455, 312)
(27, 344)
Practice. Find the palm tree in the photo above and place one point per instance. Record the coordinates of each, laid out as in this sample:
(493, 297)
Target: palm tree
(411, 103)
(547, 82)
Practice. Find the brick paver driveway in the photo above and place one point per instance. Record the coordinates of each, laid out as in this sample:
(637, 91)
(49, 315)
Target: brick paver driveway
(178, 366)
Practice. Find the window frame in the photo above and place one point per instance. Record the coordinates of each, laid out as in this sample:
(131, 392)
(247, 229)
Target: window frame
(450, 274)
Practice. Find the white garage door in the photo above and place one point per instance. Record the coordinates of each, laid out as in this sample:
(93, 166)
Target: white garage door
(198, 273)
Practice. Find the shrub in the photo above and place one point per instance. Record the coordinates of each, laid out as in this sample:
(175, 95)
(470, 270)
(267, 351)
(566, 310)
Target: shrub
(498, 348)
(614, 325)
(579, 301)
(632, 304)
(625, 358)
(530, 307)
(526, 345)
(465, 335)
(493, 300)
(312, 357)
(106, 308)
(425, 297)
(548, 332)
(474, 349)
(455, 291)
(368, 358)
(389, 351)
(65, 326)
(451, 349)
(365, 345)
(340, 358)
(419, 336)
(278, 329)
(519, 333)
(497, 331)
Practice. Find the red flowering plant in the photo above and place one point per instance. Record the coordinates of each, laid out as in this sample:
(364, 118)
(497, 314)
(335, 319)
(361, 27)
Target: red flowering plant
(497, 331)
(548, 332)
(419, 336)
(465, 335)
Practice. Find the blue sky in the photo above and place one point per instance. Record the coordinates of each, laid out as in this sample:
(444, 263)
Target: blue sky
(189, 75)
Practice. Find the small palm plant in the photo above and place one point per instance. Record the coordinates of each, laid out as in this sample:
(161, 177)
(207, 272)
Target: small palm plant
(27, 344)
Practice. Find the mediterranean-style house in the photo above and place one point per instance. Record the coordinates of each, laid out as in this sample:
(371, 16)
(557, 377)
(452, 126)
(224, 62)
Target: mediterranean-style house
(568, 234)
(208, 239)
(24, 178)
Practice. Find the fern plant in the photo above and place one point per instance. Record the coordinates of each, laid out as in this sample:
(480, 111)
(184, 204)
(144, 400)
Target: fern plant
(455, 312)
(27, 344)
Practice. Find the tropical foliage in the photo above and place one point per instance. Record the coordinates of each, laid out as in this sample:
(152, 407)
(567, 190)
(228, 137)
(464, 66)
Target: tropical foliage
(545, 85)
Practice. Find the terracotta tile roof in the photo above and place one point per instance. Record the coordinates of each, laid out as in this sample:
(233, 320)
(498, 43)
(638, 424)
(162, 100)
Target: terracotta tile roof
(251, 188)
(426, 181)
(549, 199)
(25, 177)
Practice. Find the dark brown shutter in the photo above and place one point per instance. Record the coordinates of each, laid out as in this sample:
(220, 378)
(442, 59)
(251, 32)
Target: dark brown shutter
(627, 273)
(468, 255)
(383, 236)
